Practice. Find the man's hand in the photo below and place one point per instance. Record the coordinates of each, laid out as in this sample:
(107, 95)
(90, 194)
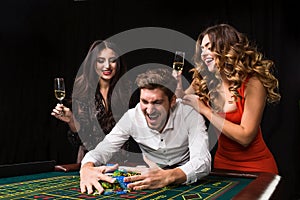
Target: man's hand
(155, 178)
(90, 176)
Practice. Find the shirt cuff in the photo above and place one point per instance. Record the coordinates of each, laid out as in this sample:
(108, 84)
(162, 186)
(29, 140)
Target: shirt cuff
(190, 174)
(193, 174)
(87, 158)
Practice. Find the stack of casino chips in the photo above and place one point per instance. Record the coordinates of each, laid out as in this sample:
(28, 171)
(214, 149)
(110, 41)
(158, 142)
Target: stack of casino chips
(119, 186)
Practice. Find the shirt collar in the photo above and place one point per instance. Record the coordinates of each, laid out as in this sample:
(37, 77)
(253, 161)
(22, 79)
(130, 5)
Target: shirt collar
(172, 114)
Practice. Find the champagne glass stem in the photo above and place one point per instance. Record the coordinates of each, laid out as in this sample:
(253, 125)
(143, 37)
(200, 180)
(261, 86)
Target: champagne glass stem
(62, 111)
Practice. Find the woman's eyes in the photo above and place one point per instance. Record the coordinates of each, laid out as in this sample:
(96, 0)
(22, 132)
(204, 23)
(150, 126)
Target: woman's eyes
(100, 61)
(112, 60)
(205, 48)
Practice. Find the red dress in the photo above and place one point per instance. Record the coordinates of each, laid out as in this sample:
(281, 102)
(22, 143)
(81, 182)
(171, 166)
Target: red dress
(256, 157)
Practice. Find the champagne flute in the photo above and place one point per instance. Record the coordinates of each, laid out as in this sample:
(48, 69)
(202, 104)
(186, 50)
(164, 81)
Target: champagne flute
(59, 89)
(178, 61)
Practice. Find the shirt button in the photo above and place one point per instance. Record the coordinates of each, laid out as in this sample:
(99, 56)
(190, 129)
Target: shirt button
(161, 140)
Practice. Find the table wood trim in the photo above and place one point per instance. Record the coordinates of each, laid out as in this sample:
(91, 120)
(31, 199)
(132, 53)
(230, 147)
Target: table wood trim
(264, 186)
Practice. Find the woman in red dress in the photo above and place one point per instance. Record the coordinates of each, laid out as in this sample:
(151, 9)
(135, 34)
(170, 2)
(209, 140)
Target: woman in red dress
(232, 83)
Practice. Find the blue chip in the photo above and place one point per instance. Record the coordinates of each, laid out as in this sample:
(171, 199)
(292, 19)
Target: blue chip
(108, 192)
(120, 179)
(121, 192)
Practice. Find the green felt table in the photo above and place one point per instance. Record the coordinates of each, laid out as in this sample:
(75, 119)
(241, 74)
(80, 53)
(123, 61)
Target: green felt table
(65, 185)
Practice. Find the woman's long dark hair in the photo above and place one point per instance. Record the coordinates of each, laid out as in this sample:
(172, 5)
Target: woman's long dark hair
(87, 83)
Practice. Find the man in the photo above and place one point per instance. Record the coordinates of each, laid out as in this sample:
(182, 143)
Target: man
(171, 135)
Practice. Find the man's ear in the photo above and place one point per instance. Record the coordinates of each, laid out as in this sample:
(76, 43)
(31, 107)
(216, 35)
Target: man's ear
(173, 101)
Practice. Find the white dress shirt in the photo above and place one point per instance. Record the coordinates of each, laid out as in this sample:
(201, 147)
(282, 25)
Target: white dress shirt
(183, 142)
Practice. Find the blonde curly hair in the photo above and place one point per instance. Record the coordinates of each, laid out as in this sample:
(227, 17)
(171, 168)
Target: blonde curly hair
(237, 58)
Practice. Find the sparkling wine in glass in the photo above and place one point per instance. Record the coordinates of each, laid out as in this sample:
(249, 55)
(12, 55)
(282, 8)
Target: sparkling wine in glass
(178, 60)
(59, 89)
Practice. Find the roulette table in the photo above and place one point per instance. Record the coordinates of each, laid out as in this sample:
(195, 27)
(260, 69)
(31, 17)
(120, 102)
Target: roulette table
(63, 183)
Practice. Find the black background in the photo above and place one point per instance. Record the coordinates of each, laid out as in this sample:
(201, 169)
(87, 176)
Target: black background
(40, 40)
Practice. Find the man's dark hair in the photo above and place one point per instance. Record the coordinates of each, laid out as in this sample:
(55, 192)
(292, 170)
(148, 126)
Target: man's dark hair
(158, 78)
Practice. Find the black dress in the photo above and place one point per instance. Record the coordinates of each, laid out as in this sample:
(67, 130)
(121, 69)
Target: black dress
(96, 122)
